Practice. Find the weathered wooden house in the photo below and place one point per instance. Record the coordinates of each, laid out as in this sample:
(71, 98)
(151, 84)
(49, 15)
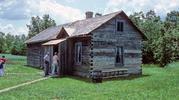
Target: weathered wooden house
(110, 43)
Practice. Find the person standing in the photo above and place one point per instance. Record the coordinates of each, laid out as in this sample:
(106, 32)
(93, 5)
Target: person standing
(47, 62)
(54, 63)
(2, 62)
(1, 68)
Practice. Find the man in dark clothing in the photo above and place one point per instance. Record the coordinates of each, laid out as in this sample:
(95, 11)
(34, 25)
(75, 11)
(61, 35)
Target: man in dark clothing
(47, 61)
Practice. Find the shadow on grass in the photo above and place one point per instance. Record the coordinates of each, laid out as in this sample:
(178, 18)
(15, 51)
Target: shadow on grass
(88, 80)
(130, 77)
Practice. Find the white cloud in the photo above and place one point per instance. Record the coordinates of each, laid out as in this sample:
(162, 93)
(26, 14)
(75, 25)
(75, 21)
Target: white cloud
(56, 10)
(161, 7)
(18, 10)
(9, 28)
(70, 1)
(22, 9)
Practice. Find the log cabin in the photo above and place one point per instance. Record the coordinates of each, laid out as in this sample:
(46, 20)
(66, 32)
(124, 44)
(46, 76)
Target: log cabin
(110, 44)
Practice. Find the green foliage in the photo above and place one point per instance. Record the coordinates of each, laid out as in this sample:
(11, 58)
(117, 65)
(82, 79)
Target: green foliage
(13, 44)
(39, 24)
(172, 20)
(167, 47)
(162, 45)
(2, 39)
(19, 47)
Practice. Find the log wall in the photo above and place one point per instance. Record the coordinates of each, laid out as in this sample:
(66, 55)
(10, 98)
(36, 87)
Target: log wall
(82, 69)
(106, 38)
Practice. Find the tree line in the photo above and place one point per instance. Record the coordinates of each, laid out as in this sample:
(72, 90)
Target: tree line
(15, 44)
(162, 44)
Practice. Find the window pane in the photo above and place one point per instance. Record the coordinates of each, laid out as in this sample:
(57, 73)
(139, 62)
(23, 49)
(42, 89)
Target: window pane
(78, 52)
(120, 26)
(119, 55)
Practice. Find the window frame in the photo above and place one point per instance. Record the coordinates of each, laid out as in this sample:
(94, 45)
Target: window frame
(122, 29)
(121, 55)
(77, 60)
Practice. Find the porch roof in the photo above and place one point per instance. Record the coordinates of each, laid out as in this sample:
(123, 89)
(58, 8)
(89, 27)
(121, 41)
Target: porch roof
(53, 42)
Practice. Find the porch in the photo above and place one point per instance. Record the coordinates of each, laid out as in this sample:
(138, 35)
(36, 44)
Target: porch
(108, 73)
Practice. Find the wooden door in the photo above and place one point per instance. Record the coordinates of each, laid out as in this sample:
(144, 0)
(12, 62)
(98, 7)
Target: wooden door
(63, 58)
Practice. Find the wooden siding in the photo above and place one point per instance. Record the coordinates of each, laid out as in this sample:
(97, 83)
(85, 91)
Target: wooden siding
(81, 70)
(105, 40)
(62, 49)
(35, 54)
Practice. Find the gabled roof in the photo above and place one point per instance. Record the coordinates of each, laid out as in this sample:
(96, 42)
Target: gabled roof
(47, 34)
(80, 27)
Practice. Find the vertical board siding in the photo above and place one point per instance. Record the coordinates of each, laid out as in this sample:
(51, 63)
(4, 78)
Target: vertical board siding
(35, 54)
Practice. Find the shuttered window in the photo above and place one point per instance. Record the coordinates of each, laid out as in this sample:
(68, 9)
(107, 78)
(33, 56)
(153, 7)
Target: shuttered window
(119, 55)
(120, 26)
(78, 53)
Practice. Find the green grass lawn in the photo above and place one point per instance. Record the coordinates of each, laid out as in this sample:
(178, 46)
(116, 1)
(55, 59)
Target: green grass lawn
(155, 84)
(16, 72)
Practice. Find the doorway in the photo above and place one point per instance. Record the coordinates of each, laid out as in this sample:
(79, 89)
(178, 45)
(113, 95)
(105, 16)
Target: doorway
(56, 50)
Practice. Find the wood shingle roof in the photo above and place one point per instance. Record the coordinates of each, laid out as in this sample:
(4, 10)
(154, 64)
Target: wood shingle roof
(80, 27)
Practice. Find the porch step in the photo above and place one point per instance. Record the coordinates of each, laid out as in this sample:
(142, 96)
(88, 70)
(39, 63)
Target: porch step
(109, 73)
(114, 73)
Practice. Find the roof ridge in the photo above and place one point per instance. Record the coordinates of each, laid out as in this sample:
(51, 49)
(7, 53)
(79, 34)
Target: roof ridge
(79, 27)
(90, 18)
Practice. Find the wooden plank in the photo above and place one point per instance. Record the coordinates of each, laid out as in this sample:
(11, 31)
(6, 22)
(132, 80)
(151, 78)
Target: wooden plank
(34, 55)
(133, 55)
(129, 61)
(81, 68)
(132, 51)
(103, 62)
(107, 50)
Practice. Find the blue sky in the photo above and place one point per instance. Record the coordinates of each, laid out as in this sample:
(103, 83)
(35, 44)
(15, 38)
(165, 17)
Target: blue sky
(15, 14)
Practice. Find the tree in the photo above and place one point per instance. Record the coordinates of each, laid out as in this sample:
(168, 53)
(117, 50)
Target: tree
(151, 15)
(151, 26)
(172, 20)
(39, 24)
(167, 47)
(162, 46)
(19, 47)
(9, 39)
(2, 41)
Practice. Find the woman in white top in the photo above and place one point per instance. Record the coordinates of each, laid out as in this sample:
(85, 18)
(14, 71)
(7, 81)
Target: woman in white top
(54, 63)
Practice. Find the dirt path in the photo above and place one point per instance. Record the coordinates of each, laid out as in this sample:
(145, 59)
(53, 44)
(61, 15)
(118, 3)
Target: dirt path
(23, 84)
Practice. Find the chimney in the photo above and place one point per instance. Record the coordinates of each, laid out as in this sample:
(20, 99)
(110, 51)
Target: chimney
(98, 15)
(89, 14)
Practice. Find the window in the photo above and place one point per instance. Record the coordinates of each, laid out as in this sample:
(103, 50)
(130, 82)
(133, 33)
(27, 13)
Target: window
(119, 55)
(120, 26)
(78, 53)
